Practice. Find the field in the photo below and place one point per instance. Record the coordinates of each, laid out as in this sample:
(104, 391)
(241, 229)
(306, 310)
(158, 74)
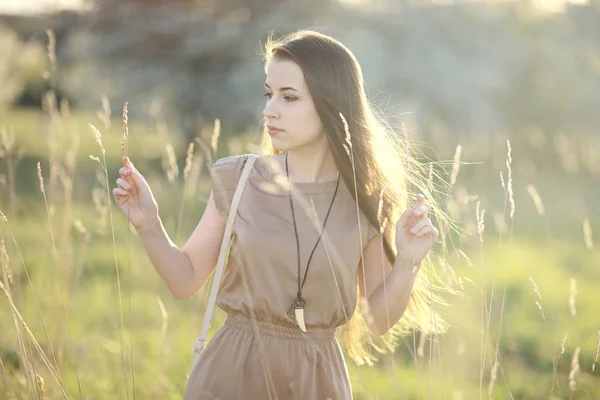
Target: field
(110, 328)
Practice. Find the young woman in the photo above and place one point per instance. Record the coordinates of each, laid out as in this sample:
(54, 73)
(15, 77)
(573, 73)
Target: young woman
(340, 231)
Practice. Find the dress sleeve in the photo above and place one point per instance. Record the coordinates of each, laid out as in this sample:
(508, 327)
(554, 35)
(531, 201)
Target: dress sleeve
(225, 173)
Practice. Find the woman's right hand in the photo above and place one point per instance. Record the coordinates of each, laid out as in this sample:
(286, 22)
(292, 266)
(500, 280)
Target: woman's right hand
(134, 197)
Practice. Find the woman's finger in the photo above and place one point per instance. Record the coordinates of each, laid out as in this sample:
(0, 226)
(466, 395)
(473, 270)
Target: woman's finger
(419, 225)
(421, 211)
(118, 192)
(428, 230)
(123, 184)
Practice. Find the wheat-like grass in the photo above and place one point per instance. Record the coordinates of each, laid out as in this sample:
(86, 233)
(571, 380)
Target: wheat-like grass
(455, 164)
(102, 162)
(170, 163)
(597, 353)
(573, 293)
(104, 114)
(27, 362)
(480, 221)
(493, 378)
(560, 352)
(214, 140)
(539, 298)
(35, 297)
(58, 272)
(537, 200)
(8, 384)
(509, 186)
(430, 179)
(125, 150)
(575, 367)
(125, 136)
(587, 234)
(465, 258)
(37, 346)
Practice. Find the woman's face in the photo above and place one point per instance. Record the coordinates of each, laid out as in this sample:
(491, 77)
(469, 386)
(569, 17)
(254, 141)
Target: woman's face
(290, 114)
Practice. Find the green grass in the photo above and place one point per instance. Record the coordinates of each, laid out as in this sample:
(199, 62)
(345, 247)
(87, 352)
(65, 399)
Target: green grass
(548, 249)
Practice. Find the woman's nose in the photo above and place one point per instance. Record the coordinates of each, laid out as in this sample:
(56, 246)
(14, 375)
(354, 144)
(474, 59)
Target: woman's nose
(269, 112)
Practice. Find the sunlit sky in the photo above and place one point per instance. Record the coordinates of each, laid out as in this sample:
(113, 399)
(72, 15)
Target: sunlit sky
(36, 6)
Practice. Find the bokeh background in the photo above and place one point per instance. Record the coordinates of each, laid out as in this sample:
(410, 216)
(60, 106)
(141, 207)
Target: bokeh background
(501, 98)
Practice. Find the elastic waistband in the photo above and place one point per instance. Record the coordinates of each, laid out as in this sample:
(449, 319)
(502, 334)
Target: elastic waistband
(239, 321)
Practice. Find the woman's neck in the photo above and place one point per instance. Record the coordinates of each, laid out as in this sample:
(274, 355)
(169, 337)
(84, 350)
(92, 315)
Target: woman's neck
(311, 164)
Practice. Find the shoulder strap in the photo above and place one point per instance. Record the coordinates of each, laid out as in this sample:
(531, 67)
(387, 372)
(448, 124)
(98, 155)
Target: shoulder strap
(216, 283)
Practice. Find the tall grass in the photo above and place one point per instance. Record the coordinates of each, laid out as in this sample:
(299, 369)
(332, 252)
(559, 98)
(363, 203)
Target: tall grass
(164, 347)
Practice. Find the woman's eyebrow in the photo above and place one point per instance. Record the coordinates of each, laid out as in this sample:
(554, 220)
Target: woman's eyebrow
(283, 88)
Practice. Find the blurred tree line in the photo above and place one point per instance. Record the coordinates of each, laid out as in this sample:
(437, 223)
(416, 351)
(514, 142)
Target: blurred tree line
(475, 68)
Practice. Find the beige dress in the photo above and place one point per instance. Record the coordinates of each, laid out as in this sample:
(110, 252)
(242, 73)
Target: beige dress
(260, 353)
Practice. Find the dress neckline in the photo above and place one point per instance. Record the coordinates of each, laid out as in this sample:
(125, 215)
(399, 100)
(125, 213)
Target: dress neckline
(268, 169)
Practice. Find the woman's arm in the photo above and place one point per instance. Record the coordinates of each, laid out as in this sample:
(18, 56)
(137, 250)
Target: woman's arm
(387, 290)
(185, 270)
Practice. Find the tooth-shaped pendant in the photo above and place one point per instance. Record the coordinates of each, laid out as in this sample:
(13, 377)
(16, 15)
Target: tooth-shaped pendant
(299, 312)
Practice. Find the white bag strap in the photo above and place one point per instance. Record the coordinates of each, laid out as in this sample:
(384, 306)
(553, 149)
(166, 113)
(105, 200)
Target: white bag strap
(216, 283)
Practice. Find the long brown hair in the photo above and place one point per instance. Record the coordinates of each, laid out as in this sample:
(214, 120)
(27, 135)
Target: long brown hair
(367, 151)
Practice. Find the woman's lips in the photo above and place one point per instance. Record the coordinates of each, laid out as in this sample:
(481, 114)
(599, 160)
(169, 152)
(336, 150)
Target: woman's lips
(273, 130)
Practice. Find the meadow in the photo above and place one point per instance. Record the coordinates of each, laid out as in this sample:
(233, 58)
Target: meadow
(83, 314)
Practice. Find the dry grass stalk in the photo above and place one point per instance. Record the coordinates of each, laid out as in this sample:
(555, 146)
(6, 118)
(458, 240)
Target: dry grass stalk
(11, 390)
(537, 200)
(537, 302)
(597, 352)
(112, 228)
(37, 346)
(465, 258)
(430, 178)
(101, 208)
(380, 209)
(587, 234)
(575, 367)
(493, 378)
(573, 293)
(561, 351)
(51, 47)
(562, 343)
(214, 139)
(509, 186)
(49, 105)
(455, 164)
(404, 132)
(422, 340)
(40, 178)
(104, 114)
(98, 136)
(40, 383)
(480, 221)
(65, 109)
(125, 129)
(25, 269)
(169, 163)
(188, 161)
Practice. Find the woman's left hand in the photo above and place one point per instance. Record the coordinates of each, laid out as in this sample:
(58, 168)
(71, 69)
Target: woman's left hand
(415, 234)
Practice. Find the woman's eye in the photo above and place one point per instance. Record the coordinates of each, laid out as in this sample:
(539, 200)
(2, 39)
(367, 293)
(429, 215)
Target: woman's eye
(289, 98)
(268, 95)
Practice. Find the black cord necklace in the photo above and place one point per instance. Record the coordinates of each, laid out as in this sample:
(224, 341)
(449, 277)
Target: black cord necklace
(299, 302)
